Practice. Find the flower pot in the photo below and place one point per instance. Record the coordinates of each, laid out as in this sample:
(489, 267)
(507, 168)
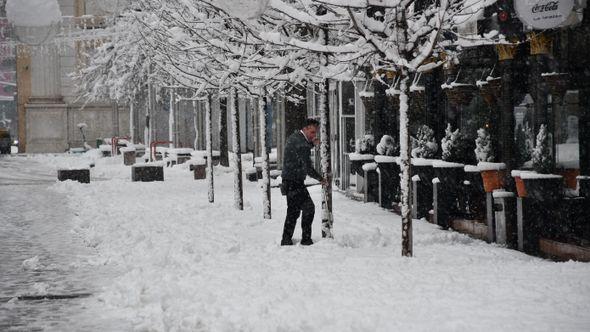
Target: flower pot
(390, 181)
(557, 83)
(584, 185)
(490, 89)
(450, 175)
(459, 94)
(492, 180)
(357, 161)
(544, 189)
(570, 177)
(520, 187)
(424, 189)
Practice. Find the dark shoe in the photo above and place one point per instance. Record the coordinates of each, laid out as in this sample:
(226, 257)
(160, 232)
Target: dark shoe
(306, 242)
(288, 242)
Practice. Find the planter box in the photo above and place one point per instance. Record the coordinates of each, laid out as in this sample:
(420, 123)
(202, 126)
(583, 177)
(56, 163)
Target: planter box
(475, 196)
(584, 186)
(200, 172)
(450, 177)
(80, 175)
(423, 190)
(545, 189)
(147, 173)
(389, 181)
(473, 228)
(371, 183)
(564, 251)
(129, 158)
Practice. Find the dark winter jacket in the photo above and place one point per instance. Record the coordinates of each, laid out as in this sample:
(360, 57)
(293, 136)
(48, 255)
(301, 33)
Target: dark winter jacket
(297, 160)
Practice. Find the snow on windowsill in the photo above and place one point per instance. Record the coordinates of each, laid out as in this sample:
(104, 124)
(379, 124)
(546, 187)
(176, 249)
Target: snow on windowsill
(446, 164)
(583, 177)
(485, 166)
(471, 169)
(358, 157)
(367, 94)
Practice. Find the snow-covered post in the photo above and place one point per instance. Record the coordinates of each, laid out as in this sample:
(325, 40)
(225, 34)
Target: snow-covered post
(236, 147)
(266, 203)
(406, 164)
(209, 135)
(172, 121)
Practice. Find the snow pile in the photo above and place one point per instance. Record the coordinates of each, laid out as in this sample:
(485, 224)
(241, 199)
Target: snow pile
(184, 264)
(33, 13)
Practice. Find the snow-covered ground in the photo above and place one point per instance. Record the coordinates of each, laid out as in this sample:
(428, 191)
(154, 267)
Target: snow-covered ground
(182, 264)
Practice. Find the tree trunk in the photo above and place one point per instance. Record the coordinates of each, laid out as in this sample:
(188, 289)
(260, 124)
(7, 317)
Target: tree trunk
(196, 125)
(266, 202)
(209, 134)
(405, 161)
(147, 132)
(172, 121)
(237, 155)
(327, 216)
(132, 122)
(223, 148)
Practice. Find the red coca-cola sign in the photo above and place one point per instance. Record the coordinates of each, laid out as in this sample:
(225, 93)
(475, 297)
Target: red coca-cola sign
(544, 14)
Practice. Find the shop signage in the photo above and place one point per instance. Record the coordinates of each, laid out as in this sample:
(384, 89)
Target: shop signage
(544, 14)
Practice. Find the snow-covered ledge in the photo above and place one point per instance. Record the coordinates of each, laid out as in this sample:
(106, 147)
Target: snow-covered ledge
(360, 157)
(386, 159)
(369, 167)
(471, 169)
(534, 175)
(501, 193)
(127, 149)
(422, 162)
(446, 164)
(485, 166)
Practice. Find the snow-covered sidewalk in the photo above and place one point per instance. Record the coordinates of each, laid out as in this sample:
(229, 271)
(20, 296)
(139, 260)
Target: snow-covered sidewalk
(187, 265)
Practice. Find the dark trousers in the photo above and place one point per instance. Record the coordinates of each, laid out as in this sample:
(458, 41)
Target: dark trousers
(298, 201)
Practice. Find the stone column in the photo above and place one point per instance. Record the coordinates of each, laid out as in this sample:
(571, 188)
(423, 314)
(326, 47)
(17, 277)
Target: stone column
(45, 74)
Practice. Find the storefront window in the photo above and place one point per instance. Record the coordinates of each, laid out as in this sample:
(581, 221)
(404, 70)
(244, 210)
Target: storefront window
(566, 131)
